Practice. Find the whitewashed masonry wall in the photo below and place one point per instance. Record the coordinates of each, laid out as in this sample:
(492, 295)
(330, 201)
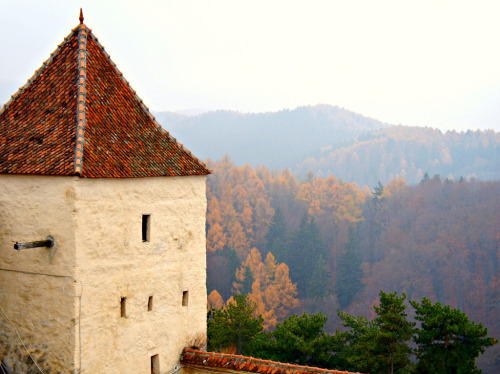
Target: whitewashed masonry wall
(97, 227)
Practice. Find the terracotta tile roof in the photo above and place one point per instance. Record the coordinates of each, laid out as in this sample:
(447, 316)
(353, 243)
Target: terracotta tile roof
(223, 361)
(77, 115)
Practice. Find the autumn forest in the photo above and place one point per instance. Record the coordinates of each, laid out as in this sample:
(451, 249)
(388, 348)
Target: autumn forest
(321, 244)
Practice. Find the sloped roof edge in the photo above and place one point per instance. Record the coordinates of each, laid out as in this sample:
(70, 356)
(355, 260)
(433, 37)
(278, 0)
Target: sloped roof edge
(38, 72)
(224, 361)
(141, 102)
(152, 151)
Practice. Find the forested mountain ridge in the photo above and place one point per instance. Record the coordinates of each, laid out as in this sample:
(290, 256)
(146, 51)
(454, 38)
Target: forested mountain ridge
(276, 139)
(333, 141)
(410, 152)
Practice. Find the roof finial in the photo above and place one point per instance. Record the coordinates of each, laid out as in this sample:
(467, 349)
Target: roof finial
(81, 16)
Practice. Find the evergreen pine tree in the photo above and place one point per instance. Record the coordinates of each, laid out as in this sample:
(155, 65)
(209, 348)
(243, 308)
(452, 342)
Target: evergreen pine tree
(276, 237)
(247, 281)
(305, 248)
(381, 345)
(349, 273)
(234, 326)
(448, 342)
(318, 285)
(302, 340)
(395, 332)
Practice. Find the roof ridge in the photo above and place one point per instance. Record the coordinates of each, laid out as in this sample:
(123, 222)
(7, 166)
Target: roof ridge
(141, 102)
(81, 98)
(38, 72)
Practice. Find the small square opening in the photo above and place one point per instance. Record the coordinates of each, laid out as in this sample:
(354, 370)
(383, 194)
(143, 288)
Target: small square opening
(146, 227)
(150, 303)
(155, 364)
(123, 307)
(185, 298)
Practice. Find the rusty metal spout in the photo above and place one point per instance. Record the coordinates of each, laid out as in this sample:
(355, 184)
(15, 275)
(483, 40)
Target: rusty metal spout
(49, 242)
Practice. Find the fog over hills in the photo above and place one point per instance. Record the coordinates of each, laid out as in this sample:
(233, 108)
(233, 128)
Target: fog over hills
(330, 140)
(276, 139)
(410, 153)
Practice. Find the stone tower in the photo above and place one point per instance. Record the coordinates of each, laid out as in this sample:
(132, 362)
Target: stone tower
(118, 286)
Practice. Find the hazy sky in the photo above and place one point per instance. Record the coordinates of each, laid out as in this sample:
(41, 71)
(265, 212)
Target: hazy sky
(426, 63)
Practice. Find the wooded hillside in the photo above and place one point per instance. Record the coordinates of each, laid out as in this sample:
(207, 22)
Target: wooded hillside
(336, 245)
(333, 141)
(410, 152)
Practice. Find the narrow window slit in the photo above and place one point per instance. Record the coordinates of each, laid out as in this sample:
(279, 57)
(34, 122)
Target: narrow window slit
(123, 307)
(155, 364)
(146, 227)
(185, 298)
(150, 303)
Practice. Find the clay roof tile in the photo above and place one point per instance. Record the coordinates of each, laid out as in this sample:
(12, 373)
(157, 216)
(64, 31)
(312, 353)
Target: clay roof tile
(78, 115)
(247, 364)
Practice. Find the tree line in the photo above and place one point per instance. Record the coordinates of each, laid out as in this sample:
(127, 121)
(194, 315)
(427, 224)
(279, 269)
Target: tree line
(409, 152)
(444, 341)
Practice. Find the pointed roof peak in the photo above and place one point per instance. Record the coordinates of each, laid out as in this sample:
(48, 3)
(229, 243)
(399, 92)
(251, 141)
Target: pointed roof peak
(81, 16)
(78, 115)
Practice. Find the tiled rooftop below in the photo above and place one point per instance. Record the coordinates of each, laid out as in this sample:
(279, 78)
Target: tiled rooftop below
(227, 362)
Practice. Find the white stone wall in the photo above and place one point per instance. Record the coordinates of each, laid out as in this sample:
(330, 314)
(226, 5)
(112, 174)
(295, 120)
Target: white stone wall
(97, 227)
(114, 262)
(35, 297)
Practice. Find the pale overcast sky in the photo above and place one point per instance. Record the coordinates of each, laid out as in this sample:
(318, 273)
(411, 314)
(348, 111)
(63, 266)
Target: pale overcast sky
(426, 63)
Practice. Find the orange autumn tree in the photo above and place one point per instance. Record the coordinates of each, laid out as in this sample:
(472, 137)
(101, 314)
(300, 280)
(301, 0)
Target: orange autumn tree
(332, 201)
(216, 237)
(239, 209)
(271, 289)
(215, 300)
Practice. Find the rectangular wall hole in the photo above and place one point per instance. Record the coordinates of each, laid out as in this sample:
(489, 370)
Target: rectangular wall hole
(155, 364)
(150, 303)
(146, 227)
(123, 307)
(185, 298)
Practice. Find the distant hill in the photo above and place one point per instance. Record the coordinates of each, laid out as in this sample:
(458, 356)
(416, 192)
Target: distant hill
(278, 140)
(410, 152)
(330, 140)
(167, 119)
